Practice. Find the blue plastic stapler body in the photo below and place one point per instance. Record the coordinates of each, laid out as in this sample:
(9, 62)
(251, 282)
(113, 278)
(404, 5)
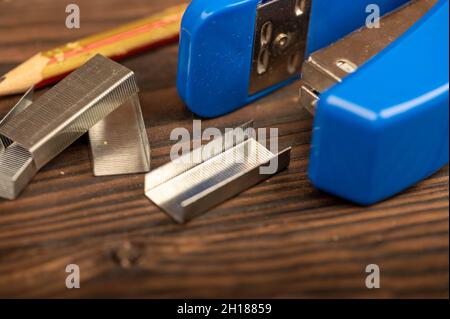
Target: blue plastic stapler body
(386, 127)
(381, 130)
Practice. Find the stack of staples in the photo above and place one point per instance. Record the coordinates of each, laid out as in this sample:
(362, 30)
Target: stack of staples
(34, 133)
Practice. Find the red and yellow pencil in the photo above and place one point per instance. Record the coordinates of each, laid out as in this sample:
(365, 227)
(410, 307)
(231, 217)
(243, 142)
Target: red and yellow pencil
(50, 66)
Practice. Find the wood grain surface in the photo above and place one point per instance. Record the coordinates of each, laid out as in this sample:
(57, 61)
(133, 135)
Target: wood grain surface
(283, 238)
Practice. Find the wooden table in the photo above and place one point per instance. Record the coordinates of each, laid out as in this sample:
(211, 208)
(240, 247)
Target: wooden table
(283, 238)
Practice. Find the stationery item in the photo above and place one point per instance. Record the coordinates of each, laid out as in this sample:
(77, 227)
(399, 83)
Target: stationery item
(33, 133)
(50, 66)
(331, 65)
(385, 127)
(16, 165)
(187, 187)
(377, 131)
(119, 143)
(243, 50)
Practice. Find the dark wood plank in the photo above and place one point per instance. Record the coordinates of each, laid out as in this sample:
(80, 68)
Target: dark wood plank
(282, 238)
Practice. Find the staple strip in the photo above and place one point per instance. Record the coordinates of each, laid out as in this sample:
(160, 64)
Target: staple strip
(32, 134)
(16, 169)
(119, 143)
(185, 188)
(71, 108)
(198, 156)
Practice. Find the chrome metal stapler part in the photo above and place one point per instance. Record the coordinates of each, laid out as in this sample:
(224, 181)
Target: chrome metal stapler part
(329, 66)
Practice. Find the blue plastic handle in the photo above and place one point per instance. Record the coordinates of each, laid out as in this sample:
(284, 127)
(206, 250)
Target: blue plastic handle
(386, 127)
(216, 47)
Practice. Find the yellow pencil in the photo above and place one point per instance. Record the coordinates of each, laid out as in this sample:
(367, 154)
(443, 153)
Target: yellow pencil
(50, 66)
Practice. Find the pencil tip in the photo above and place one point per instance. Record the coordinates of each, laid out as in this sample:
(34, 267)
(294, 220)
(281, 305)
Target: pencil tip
(23, 76)
(6, 89)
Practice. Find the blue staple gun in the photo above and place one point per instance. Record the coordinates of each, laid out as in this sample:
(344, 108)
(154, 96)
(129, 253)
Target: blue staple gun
(378, 88)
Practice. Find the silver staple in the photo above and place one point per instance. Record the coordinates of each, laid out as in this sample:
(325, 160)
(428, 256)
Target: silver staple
(34, 133)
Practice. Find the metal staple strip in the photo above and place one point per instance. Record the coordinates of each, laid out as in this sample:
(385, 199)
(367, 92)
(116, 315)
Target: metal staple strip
(71, 108)
(186, 189)
(16, 163)
(24, 102)
(33, 133)
(119, 143)
(190, 160)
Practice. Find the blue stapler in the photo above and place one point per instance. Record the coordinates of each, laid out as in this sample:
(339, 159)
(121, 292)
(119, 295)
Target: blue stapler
(379, 89)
